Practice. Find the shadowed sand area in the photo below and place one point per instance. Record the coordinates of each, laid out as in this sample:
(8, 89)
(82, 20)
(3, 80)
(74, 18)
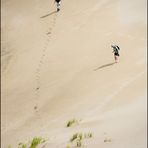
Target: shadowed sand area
(60, 66)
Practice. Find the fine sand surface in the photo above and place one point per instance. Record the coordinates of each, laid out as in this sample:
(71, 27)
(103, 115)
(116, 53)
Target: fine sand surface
(60, 66)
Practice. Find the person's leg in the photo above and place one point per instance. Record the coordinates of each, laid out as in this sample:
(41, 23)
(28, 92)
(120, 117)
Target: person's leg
(116, 59)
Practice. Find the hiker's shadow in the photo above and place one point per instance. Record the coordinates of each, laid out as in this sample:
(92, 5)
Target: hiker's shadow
(103, 66)
(48, 14)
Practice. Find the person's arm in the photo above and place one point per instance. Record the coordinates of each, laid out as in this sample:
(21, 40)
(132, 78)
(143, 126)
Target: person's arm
(113, 50)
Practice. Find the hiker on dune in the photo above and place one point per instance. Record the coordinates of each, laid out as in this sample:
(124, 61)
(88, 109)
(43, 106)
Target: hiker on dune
(58, 4)
(116, 52)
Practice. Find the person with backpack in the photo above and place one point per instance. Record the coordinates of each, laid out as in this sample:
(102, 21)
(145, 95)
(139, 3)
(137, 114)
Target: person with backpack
(58, 4)
(116, 52)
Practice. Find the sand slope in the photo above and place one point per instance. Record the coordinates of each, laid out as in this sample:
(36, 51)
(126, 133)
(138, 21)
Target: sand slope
(59, 66)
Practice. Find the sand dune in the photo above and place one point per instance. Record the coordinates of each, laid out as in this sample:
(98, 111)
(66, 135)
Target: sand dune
(59, 66)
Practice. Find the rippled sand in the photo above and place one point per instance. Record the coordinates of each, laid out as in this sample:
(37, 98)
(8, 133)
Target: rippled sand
(59, 66)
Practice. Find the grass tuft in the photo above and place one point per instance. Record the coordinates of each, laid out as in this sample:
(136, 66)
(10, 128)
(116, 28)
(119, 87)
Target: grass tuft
(74, 137)
(32, 144)
(79, 143)
(22, 145)
(88, 135)
(36, 141)
(107, 140)
(72, 122)
(78, 137)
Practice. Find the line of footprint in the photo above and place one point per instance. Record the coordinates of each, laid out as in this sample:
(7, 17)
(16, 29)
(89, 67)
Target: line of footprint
(41, 62)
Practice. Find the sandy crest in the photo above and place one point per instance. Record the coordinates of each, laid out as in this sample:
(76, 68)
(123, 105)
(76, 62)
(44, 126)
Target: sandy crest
(59, 66)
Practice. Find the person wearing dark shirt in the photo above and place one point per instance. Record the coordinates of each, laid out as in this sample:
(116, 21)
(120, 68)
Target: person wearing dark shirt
(58, 4)
(116, 52)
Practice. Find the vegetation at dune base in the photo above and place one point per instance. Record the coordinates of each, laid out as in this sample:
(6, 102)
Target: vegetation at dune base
(78, 138)
(36, 141)
(72, 122)
(33, 143)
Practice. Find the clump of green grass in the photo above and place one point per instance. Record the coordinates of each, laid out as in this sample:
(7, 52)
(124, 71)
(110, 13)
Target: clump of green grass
(107, 140)
(78, 137)
(36, 141)
(22, 145)
(72, 122)
(88, 135)
(32, 144)
(79, 143)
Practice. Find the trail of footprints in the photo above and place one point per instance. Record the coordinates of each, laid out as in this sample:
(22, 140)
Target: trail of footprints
(41, 62)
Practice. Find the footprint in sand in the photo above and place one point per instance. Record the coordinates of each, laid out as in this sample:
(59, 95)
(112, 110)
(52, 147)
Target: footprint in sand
(48, 33)
(35, 107)
(41, 62)
(37, 88)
